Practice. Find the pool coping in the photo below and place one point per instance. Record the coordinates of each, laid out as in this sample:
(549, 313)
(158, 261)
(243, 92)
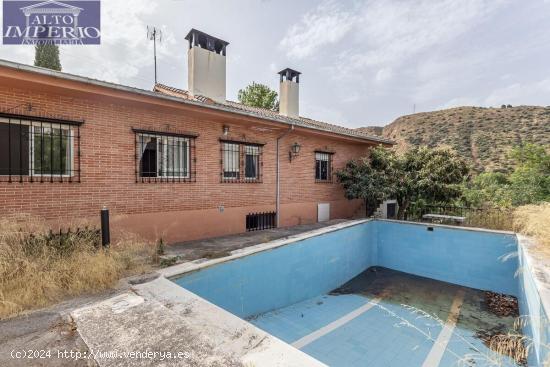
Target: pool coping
(540, 269)
(187, 267)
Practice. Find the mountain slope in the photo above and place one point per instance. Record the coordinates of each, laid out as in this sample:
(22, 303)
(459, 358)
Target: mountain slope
(482, 136)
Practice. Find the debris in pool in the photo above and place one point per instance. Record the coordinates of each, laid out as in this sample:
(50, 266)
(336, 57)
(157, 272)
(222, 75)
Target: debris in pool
(506, 343)
(341, 291)
(319, 303)
(502, 304)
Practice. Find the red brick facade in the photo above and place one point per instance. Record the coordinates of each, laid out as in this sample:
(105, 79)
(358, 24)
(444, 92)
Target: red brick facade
(174, 211)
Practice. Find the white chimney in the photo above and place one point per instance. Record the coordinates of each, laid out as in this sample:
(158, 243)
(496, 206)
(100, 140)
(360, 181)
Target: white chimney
(289, 97)
(206, 61)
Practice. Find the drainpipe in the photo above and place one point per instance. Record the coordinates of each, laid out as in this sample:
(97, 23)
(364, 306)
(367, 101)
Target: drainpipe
(278, 174)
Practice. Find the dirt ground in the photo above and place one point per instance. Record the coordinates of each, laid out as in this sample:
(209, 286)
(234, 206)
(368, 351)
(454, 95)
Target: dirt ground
(48, 334)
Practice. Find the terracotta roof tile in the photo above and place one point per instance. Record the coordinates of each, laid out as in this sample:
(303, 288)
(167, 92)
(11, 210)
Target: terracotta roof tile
(269, 114)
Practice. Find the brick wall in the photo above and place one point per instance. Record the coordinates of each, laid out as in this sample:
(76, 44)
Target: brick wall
(108, 164)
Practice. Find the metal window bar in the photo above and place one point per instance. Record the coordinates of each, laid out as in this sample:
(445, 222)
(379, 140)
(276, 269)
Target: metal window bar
(39, 147)
(164, 158)
(241, 162)
(260, 221)
(323, 167)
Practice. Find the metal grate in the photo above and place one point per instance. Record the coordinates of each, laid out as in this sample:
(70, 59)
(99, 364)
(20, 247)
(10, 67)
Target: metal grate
(323, 167)
(36, 149)
(261, 221)
(241, 162)
(164, 157)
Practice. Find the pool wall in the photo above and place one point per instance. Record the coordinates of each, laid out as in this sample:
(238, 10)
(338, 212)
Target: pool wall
(535, 320)
(285, 275)
(289, 274)
(476, 259)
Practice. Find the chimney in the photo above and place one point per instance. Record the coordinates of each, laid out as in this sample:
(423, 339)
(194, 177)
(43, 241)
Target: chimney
(289, 96)
(206, 62)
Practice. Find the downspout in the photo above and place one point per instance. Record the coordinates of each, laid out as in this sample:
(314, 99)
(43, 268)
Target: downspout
(278, 175)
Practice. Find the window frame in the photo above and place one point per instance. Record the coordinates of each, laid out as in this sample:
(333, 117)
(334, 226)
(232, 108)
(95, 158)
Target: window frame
(163, 140)
(241, 152)
(71, 171)
(329, 160)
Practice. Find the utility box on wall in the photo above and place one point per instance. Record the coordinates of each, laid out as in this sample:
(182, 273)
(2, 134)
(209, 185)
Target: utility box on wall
(323, 212)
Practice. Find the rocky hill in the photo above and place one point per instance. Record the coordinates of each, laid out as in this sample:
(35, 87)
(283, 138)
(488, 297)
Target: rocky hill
(481, 135)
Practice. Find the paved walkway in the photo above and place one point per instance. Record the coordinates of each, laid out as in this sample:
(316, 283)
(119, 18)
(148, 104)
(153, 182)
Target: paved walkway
(222, 246)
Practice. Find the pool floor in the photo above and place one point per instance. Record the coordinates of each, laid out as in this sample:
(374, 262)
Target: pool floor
(388, 318)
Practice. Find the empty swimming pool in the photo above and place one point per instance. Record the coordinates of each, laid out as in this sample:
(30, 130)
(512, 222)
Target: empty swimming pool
(384, 293)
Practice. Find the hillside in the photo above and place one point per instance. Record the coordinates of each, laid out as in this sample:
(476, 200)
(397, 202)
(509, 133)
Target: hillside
(483, 136)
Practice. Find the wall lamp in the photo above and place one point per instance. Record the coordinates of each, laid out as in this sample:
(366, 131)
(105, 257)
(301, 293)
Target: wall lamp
(294, 151)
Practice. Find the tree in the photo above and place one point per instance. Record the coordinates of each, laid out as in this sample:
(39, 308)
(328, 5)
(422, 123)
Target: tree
(369, 178)
(47, 56)
(259, 95)
(433, 176)
(529, 183)
(488, 188)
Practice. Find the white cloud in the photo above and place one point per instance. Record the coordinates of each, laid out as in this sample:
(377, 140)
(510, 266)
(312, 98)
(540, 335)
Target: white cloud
(383, 75)
(327, 24)
(124, 53)
(389, 32)
(533, 93)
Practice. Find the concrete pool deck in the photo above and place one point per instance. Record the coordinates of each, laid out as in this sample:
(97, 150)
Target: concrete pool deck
(160, 316)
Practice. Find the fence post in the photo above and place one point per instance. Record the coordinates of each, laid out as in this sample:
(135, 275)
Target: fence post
(105, 231)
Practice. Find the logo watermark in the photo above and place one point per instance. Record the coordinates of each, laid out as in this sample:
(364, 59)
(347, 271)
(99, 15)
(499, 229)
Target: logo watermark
(64, 22)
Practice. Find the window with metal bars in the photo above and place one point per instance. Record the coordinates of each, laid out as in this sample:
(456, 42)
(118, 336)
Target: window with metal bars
(323, 167)
(241, 162)
(164, 157)
(36, 149)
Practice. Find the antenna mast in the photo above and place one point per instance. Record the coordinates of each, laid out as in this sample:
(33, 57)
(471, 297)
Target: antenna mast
(153, 34)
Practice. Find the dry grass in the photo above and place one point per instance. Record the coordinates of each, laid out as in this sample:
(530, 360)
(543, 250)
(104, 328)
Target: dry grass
(36, 272)
(534, 221)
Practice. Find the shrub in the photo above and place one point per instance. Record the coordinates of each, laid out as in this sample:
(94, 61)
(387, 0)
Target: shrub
(37, 269)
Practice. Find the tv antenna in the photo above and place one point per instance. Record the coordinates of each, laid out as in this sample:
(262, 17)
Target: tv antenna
(154, 34)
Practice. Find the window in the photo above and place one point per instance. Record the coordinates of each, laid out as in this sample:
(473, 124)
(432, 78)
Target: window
(38, 150)
(241, 162)
(251, 162)
(231, 161)
(323, 167)
(164, 158)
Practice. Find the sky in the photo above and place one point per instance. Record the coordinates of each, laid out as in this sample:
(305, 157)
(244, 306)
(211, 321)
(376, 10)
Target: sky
(363, 62)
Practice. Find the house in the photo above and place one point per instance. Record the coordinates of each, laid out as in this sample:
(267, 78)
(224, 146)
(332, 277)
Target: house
(170, 163)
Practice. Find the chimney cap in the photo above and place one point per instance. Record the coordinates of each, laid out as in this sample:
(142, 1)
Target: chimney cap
(290, 74)
(206, 41)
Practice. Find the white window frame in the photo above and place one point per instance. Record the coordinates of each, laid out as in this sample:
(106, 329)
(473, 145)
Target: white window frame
(324, 157)
(52, 125)
(256, 150)
(226, 154)
(162, 159)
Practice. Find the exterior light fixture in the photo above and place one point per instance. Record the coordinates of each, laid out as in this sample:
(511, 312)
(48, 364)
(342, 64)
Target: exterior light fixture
(225, 130)
(294, 151)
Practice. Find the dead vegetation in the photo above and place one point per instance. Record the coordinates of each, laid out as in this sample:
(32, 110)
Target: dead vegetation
(501, 304)
(504, 343)
(534, 221)
(38, 269)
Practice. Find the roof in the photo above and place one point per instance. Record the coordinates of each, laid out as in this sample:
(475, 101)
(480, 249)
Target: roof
(182, 96)
(50, 2)
(270, 114)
